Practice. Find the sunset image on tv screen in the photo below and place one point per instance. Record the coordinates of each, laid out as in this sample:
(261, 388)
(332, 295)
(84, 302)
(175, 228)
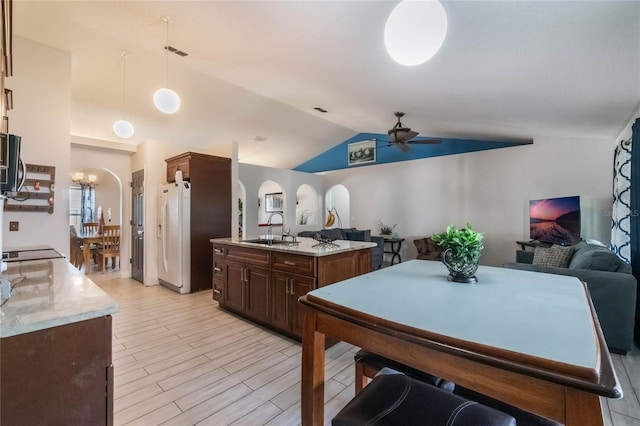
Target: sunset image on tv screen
(555, 220)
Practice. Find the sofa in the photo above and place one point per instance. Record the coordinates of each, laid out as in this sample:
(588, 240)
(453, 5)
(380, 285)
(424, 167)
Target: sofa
(612, 288)
(353, 234)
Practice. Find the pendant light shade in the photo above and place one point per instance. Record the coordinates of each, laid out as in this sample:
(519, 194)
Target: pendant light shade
(415, 31)
(165, 99)
(123, 128)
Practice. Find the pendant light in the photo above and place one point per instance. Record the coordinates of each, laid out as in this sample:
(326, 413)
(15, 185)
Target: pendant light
(123, 128)
(165, 99)
(415, 31)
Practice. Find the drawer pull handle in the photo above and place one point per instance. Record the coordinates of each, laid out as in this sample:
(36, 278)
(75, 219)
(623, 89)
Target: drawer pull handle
(290, 263)
(217, 250)
(217, 292)
(216, 269)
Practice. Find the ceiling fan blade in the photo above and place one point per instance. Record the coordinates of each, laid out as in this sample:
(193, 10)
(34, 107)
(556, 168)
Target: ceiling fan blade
(426, 142)
(402, 146)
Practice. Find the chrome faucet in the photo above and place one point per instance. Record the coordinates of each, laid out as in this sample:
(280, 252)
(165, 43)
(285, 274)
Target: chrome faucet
(270, 230)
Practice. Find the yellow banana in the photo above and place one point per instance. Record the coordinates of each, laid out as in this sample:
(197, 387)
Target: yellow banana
(330, 219)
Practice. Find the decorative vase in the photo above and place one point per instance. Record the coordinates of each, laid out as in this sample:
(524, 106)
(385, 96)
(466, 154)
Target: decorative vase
(461, 269)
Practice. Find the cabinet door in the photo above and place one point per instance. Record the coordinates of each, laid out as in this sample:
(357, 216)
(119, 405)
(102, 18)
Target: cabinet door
(233, 291)
(257, 288)
(301, 285)
(280, 300)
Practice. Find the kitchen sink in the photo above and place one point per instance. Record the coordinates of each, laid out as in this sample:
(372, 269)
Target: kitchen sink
(270, 242)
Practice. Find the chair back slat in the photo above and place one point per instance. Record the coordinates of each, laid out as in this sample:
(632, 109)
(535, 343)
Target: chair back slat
(90, 227)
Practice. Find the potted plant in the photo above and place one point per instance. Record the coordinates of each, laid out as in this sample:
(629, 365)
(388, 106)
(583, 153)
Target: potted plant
(462, 247)
(385, 230)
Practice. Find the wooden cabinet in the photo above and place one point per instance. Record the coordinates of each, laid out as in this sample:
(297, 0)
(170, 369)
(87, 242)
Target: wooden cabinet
(60, 375)
(210, 179)
(264, 285)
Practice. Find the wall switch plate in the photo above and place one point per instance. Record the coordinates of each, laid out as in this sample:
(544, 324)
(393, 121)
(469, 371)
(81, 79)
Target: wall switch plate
(14, 226)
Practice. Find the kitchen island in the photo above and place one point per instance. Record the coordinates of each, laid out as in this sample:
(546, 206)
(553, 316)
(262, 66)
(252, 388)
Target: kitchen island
(263, 282)
(55, 347)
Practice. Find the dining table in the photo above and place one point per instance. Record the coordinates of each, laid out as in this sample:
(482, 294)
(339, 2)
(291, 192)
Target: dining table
(88, 239)
(529, 339)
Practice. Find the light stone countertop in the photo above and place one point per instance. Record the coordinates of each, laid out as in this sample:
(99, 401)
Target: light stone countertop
(306, 246)
(49, 293)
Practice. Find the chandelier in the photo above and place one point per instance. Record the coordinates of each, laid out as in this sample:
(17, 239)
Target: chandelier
(83, 179)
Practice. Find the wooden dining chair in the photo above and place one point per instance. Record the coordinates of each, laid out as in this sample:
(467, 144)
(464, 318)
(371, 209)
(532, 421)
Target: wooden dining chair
(91, 228)
(76, 257)
(110, 246)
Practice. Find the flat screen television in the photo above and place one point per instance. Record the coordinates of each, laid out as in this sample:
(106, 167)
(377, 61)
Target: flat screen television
(555, 220)
(9, 162)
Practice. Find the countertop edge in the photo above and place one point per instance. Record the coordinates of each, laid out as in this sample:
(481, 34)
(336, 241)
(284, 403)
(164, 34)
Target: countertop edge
(297, 249)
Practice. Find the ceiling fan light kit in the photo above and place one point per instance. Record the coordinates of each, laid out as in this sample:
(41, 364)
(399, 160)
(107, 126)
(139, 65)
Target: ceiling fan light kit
(415, 31)
(165, 99)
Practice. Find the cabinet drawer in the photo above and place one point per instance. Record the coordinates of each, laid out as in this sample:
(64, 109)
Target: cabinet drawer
(247, 255)
(295, 263)
(218, 251)
(218, 286)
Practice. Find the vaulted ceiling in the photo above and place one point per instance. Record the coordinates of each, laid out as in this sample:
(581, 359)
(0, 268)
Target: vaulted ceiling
(256, 69)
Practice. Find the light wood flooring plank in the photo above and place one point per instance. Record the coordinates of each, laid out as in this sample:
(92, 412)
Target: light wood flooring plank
(628, 405)
(259, 416)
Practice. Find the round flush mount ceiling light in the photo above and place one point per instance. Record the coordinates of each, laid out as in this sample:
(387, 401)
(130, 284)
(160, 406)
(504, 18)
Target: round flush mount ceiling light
(123, 129)
(415, 31)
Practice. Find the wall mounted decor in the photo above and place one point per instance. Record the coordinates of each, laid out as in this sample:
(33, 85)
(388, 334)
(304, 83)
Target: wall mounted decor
(362, 152)
(273, 202)
(37, 193)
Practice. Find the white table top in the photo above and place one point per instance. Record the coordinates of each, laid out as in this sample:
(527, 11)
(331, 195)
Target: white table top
(541, 315)
(50, 293)
(305, 246)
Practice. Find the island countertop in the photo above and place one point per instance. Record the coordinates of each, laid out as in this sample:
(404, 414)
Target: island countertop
(49, 293)
(306, 246)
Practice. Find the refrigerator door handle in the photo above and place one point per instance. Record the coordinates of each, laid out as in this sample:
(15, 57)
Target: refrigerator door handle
(163, 233)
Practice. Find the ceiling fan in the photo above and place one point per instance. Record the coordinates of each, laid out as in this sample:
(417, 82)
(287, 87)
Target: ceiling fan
(401, 136)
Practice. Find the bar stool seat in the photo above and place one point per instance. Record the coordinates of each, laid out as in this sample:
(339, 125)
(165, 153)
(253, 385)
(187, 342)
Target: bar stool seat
(397, 399)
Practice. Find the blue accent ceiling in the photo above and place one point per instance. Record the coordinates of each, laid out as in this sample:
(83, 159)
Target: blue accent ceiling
(336, 158)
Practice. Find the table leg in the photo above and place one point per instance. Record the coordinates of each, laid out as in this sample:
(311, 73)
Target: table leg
(582, 408)
(312, 392)
(86, 256)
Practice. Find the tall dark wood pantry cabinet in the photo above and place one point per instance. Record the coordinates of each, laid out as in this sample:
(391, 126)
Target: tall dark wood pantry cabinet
(210, 179)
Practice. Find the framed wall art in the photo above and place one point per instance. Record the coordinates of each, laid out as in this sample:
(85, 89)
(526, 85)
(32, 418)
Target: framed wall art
(362, 152)
(273, 202)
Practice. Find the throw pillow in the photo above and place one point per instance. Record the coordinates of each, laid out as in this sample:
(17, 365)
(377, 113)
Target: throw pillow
(557, 256)
(359, 235)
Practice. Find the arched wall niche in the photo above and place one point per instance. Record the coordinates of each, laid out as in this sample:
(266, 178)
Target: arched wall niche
(337, 197)
(242, 202)
(308, 206)
(269, 187)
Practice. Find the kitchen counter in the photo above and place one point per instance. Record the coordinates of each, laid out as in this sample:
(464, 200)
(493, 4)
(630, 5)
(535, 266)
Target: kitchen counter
(50, 293)
(305, 246)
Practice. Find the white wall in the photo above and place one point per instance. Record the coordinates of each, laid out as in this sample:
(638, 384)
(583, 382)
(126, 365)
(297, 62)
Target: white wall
(41, 85)
(489, 189)
(252, 178)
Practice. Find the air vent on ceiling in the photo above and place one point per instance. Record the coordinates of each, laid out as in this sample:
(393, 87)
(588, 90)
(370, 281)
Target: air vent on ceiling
(176, 51)
(320, 109)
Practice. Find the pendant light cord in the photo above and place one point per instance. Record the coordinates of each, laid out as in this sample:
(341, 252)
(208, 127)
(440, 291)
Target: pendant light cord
(124, 84)
(166, 47)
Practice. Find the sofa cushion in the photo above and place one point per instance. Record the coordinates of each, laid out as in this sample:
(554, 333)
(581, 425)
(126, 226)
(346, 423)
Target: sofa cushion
(333, 234)
(597, 258)
(362, 235)
(558, 256)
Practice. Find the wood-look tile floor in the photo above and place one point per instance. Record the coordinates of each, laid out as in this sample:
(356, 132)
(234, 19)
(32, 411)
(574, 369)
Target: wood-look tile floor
(180, 360)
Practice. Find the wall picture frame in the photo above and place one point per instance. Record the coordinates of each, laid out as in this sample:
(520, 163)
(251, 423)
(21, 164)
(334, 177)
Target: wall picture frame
(361, 152)
(273, 202)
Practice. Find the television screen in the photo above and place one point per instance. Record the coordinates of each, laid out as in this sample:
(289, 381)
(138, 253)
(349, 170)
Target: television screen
(555, 220)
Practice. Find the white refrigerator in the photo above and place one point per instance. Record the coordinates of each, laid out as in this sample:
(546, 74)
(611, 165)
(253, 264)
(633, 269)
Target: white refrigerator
(174, 248)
